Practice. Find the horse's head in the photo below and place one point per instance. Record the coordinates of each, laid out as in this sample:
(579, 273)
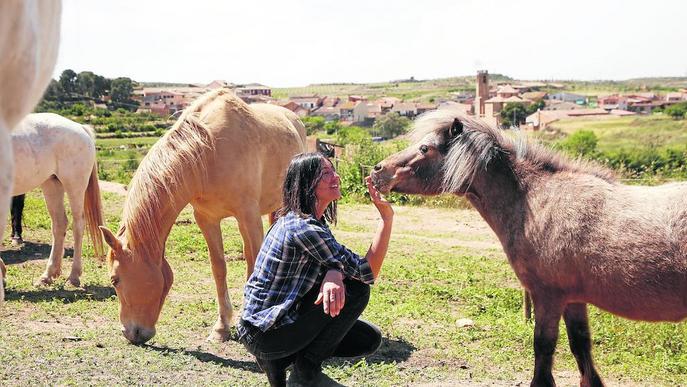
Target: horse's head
(141, 283)
(418, 169)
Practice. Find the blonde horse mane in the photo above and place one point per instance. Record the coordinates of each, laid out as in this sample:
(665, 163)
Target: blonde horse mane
(480, 143)
(176, 164)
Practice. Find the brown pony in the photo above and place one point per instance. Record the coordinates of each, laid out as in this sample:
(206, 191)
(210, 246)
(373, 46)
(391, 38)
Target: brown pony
(224, 157)
(572, 233)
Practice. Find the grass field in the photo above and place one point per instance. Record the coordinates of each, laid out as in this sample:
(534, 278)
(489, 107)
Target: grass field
(442, 265)
(655, 131)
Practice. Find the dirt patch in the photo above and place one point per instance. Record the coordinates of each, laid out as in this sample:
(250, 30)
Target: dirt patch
(110, 186)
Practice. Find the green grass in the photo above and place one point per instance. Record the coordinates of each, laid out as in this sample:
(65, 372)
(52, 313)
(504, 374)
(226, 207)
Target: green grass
(436, 272)
(656, 131)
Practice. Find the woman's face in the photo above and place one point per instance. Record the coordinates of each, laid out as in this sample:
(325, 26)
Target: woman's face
(327, 189)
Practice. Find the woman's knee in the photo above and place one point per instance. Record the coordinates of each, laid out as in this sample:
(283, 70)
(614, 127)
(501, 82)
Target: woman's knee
(373, 337)
(357, 290)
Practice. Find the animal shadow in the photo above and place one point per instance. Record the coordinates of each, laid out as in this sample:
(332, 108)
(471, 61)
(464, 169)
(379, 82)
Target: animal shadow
(389, 351)
(207, 357)
(30, 251)
(66, 296)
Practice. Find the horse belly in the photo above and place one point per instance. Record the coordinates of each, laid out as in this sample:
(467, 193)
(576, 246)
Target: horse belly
(656, 308)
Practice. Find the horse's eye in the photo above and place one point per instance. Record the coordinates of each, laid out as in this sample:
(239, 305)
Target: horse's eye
(424, 149)
(114, 281)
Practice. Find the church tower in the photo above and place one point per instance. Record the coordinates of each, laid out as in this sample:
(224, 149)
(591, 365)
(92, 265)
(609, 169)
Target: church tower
(481, 92)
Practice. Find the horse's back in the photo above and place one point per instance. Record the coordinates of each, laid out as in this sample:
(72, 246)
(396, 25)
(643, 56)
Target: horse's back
(253, 146)
(47, 144)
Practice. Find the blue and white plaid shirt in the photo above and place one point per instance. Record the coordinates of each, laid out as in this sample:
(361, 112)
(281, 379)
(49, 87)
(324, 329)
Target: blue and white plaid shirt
(293, 258)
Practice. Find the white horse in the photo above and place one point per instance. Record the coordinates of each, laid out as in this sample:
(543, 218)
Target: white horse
(29, 37)
(58, 155)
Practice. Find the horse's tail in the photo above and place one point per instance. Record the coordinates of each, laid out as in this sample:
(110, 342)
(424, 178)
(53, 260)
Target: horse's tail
(93, 207)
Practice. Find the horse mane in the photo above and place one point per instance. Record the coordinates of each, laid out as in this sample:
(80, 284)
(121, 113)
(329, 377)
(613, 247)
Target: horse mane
(175, 165)
(481, 143)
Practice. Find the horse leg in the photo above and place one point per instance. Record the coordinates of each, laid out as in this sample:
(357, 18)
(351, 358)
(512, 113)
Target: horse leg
(54, 199)
(547, 314)
(213, 236)
(250, 226)
(76, 201)
(579, 336)
(16, 211)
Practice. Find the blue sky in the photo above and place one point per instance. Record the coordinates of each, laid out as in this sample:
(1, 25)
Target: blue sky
(295, 43)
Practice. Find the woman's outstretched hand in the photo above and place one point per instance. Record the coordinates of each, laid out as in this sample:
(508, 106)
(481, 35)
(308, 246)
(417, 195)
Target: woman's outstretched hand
(332, 293)
(383, 206)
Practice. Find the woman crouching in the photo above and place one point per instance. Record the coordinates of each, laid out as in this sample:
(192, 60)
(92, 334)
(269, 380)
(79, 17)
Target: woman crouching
(300, 266)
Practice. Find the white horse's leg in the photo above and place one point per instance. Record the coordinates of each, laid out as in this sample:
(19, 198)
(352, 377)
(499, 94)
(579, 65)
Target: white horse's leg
(213, 236)
(6, 178)
(54, 199)
(250, 226)
(76, 201)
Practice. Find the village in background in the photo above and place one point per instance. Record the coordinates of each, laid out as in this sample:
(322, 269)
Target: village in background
(636, 127)
(548, 100)
(502, 101)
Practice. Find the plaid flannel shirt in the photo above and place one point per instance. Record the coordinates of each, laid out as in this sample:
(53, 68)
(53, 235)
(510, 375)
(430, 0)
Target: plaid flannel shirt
(293, 258)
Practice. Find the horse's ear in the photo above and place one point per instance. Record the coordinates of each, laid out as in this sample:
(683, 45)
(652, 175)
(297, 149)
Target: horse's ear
(456, 128)
(111, 239)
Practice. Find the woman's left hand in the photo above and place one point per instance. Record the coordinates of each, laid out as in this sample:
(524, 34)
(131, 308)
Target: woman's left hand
(332, 293)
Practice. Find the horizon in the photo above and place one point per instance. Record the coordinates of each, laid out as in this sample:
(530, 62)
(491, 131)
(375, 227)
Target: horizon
(306, 43)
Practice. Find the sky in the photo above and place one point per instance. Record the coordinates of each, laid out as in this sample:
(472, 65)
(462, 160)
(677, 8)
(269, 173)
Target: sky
(296, 43)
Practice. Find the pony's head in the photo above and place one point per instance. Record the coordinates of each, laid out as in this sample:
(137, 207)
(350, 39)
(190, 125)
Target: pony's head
(141, 283)
(421, 168)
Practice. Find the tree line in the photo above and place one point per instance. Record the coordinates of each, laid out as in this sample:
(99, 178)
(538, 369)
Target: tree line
(88, 87)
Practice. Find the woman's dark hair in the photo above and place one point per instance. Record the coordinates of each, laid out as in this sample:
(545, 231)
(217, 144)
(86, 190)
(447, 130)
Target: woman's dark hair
(298, 194)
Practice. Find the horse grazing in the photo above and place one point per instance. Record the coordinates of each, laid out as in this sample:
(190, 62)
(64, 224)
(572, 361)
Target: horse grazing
(29, 36)
(224, 157)
(58, 155)
(572, 233)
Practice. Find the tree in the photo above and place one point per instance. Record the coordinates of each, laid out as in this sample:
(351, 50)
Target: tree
(54, 91)
(101, 86)
(68, 82)
(121, 90)
(85, 83)
(514, 114)
(391, 125)
(677, 111)
(352, 135)
(313, 124)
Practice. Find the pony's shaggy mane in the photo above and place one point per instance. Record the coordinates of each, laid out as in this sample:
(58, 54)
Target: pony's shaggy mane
(175, 164)
(480, 143)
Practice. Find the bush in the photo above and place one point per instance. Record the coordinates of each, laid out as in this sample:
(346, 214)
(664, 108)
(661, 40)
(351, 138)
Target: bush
(677, 111)
(581, 143)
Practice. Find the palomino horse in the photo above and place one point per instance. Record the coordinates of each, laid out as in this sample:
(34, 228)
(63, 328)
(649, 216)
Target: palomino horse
(224, 157)
(58, 155)
(572, 233)
(29, 36)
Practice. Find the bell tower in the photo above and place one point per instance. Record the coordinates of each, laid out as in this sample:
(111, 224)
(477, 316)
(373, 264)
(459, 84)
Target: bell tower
(481, 92)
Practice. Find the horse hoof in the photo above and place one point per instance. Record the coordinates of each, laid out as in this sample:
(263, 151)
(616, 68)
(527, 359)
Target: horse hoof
(43, 281)
(17, 241)
(75, 282)
(223, 335)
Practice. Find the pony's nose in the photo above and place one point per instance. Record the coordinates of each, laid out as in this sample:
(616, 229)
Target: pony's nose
(378, 167)
(138, 335)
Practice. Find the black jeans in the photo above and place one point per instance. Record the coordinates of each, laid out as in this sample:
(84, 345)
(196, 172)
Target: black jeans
(315, 336)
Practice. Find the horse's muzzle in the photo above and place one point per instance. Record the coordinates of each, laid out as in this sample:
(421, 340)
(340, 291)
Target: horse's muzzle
(138, 335)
